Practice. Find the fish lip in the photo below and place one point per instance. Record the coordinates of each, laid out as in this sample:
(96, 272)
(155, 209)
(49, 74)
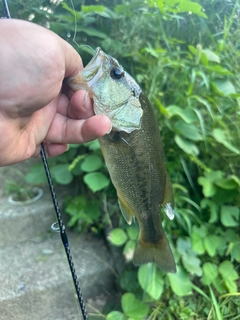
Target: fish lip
(93, 70)
(87, 77)
(96, 60)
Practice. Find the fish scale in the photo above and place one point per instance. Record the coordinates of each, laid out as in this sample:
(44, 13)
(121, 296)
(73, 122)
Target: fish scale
(133, 154)
(136, 166)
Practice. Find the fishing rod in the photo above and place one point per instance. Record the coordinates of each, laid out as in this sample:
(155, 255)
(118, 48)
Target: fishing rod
(60, 225)
(61, 229)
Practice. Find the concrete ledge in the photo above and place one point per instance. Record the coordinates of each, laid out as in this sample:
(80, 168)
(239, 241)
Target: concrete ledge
(19, 223)
(36, 281)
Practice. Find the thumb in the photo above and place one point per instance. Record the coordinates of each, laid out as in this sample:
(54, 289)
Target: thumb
(73, 61)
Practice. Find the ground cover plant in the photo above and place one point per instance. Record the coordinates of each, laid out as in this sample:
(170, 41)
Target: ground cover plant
(185, 55)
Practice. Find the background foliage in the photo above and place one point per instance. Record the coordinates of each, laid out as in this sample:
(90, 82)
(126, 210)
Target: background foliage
(185, 55)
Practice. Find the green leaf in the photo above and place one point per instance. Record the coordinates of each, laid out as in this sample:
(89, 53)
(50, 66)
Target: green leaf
(150, 279)
(235, 251)
(58, 27)
(132, 233)
(91, 163)
(191, 7)
(93, 209)
(188, 115)
(79, 210)
(212, 176)
(61, 174)
(98, 9)
(220, 136)
(183, 245)
(92, 32)
(92, 145)
(193, 50)
(96, 181)
(219, 284)
(115, 315)
(186, 145)
(224, 87)
(126, 8)
(203, 102)
(221, 249)
(211, 56)
(189, 259)
(187, 130)
(73, 146)
(235, 178)
(197, 239)
(210, 272)
(192, 264)
(225, 196)
(129, 249)
(117, 237)
(133, 307)
(36, 175)
(226, 269)
(92, 8)
(177, 6)
(227, 183)
(218, 69)
(230, 235)
(231, 285)
(211, 243)
(207, 203)
(197, 244)
(129, 280)
(208, 188)
(180, 283)
(76, 204)
(71, 10)
(230, 216)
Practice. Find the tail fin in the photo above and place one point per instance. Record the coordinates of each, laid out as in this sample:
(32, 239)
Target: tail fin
(160, 253)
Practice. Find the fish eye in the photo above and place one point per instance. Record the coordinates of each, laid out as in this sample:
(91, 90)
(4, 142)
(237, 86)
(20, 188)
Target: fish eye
(116, 73)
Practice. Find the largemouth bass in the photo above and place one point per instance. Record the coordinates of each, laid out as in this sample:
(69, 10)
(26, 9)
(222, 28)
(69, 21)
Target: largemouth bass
(133, 154)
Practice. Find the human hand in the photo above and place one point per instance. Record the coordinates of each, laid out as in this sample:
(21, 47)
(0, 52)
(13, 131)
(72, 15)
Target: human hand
(33, 107)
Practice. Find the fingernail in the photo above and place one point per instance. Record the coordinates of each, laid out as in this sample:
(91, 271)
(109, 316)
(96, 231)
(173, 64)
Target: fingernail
(110, 128)
(87, 102)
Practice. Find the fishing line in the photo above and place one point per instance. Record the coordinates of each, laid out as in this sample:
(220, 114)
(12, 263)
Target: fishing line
(75, 23)
(60, 228)
(75, 30)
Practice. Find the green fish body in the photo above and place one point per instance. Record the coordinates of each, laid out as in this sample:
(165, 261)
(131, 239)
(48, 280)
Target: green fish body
(134, 156)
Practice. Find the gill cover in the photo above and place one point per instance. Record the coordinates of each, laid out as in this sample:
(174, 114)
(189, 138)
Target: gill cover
(115, 93)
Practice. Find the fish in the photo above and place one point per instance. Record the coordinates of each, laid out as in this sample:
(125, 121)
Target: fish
(133, 153)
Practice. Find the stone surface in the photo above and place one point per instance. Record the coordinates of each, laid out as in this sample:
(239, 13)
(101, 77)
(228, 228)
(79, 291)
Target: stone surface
(35, 279)
(21, 222)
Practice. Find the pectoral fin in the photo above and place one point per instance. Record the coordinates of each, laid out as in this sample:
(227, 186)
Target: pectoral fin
(126, 210)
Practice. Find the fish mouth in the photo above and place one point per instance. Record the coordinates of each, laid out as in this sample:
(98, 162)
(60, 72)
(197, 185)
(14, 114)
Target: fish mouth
(87, 77)
(97, 59)
(94, 66)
